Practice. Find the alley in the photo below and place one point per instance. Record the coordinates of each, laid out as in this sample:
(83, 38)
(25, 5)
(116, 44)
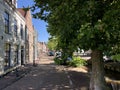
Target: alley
(48, 76)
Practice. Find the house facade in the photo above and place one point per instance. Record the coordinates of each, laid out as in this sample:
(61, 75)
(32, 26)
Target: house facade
(12, 36)
(32, 34)
(17, 37)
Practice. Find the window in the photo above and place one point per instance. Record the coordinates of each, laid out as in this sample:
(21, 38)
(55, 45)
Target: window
(15, 27)
(16, 55)
(7, 55)
(22, 55)
(26, 33)
(21, 31)
(6, 18)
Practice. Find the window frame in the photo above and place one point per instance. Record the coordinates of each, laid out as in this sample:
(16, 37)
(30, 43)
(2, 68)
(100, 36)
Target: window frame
(7, 20)
(21, 31)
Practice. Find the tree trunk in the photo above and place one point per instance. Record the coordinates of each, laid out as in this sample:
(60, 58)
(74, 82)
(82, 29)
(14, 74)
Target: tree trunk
(97, 81)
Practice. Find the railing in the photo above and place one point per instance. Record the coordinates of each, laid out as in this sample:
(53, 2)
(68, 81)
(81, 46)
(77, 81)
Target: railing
(114, 84)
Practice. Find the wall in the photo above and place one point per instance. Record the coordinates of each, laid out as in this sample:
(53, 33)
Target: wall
(11, 38)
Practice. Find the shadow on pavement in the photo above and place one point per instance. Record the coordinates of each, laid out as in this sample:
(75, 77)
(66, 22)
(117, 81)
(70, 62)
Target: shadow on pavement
(55, 78)
(47, 76)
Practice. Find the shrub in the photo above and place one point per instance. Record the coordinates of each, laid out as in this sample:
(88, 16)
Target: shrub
(77, 62)
(58, 61)
(116, 57)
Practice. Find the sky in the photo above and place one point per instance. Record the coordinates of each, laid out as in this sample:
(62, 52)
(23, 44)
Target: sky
(39, 25)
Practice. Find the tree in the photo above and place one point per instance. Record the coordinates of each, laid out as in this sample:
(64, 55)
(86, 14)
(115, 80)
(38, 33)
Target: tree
(62, 28)
(52, 43)
(101, 36)
(89, 24)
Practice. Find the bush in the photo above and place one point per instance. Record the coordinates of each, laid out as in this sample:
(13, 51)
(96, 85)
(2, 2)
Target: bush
(116, 57)
(58, 61)
(77, 62)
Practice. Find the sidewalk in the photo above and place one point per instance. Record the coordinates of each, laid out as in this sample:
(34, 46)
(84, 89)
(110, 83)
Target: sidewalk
(13, 76)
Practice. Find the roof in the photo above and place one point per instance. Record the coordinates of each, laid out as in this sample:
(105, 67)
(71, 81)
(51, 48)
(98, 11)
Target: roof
(26, 13)
(22, 11)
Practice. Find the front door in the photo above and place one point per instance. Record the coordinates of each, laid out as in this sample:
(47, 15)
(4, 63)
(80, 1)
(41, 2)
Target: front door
(22, 55)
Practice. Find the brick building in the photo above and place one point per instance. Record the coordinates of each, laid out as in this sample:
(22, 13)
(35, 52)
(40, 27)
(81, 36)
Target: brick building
(31, 33)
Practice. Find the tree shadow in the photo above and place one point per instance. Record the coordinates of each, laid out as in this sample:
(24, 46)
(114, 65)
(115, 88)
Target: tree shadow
(56, 77)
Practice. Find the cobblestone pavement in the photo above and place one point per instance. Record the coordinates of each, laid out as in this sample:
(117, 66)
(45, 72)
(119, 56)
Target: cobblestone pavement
(14, 76)
(48, 76)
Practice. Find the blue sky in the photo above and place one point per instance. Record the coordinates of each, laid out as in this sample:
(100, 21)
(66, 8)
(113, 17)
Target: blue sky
(39, 25)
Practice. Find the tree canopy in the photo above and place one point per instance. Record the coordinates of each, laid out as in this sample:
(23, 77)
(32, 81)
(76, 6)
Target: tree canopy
(88, 24)
(95, 22)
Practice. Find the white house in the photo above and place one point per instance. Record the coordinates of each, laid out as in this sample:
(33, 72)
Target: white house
(13, 33)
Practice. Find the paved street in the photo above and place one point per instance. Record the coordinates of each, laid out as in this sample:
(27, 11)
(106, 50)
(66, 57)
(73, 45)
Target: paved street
(48, 76)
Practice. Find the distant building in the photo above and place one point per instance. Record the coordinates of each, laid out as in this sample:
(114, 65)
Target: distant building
(42, 47)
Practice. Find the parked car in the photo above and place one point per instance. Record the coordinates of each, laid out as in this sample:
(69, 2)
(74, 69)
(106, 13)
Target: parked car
(58, 54)
(50, 53)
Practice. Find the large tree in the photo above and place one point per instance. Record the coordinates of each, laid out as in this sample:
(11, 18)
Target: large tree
(89, 24)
